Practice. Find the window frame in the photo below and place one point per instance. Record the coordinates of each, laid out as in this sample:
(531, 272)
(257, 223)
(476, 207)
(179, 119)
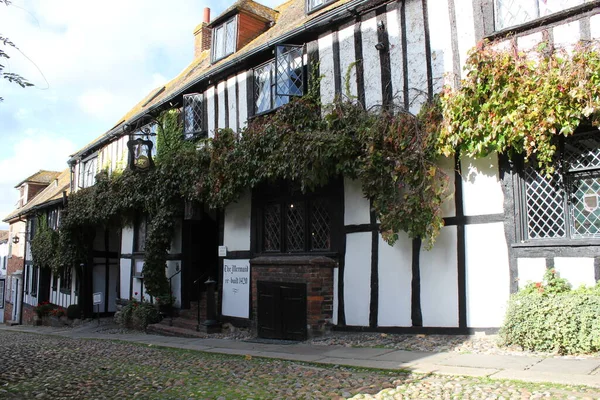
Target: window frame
(495, 15)
(281, 193)
(213, 53)
(87, 177)
(567, 177)
(310, 10)
(198, 119)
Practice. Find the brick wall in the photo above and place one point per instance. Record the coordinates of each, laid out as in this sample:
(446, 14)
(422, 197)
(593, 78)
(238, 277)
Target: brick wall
(315, 272)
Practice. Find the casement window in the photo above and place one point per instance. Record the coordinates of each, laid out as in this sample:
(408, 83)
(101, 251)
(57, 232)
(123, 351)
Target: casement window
(510, 13)
(66, 280)
(566, 205)
(35, 274)
(313, 5)
(278, 79)
(87, 172)
(53, 219)
(289, 221)
(193, 112)
(224, 39)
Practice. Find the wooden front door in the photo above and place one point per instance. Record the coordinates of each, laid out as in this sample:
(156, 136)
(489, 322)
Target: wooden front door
(281, 310)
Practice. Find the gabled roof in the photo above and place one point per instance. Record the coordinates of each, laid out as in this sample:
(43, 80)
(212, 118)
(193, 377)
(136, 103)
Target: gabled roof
(50, 195)
(263, 12)
(291, 20)
(42, 177)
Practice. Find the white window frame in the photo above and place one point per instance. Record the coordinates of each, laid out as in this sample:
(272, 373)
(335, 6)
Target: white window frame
(88, 169)
(221, 47)
(314, 5)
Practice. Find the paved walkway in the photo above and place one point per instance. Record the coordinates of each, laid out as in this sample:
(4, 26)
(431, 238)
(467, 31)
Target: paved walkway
(571, 371)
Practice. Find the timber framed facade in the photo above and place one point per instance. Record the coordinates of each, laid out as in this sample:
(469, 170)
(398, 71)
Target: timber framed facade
(322, 254)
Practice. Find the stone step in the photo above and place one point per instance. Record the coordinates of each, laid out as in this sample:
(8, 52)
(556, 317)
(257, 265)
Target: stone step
(166, 330)
(181, 322)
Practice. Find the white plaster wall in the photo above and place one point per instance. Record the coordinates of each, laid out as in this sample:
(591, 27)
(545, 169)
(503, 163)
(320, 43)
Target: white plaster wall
(487, 275)
(371, 63)
(347, 57)
(566, 35)
(416, 55)
(356, 205)
(449, 204)
(465, 30)
(222, 105)
(127, 240)
(439, 281)
(482, 189)
(395, 275)
(138, 267)
(357, 278)
(172, 267)
(232, 100)
(393, 18)
(125, 273)
(577, 270)
(209, 95)
(336, 293)
(595, 26)
(327, 85)
(529, 42)
(237, 224)
(440, 37)
(530, 270)
(242, 100)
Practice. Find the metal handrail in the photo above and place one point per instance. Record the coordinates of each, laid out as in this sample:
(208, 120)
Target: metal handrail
(171, 292)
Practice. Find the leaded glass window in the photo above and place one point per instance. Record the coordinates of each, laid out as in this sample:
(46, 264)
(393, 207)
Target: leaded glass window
(515, 12)
(193, 113)
(566, 205)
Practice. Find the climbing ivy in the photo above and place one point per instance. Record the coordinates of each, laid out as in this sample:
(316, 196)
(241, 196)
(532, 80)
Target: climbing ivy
(44, 244)
(520, 102)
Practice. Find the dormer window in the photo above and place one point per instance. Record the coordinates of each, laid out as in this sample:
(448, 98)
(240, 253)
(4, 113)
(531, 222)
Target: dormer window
(224, 39)
(313, 5)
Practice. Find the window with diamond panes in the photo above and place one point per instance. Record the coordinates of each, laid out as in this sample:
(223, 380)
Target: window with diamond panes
(289, 74)
(265, 97)
(515, 12)
(272, 227)
(193, 112)
(566, 205)
(295, 226)
(320, 228)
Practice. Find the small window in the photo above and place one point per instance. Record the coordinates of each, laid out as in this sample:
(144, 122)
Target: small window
(313, 5)
(511, 12)
(87, 172)
(35, 271)
(224, 39)
(193, 112)
(566, 204)
(278, 79)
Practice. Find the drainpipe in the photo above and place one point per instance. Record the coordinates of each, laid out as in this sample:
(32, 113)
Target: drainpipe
(24, 274)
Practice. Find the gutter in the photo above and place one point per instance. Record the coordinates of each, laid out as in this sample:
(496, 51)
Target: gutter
(324, 19)
(34, 208)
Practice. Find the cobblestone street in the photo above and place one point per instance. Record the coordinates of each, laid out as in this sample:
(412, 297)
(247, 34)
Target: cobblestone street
(43, 367)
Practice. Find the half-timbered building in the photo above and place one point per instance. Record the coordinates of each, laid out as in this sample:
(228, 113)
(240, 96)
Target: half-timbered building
(295, 264)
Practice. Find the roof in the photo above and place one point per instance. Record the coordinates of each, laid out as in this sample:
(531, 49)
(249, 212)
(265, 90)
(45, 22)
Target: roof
(3, 236)
(263, 12)
(51, 194)
(42, 177)
(291, 20)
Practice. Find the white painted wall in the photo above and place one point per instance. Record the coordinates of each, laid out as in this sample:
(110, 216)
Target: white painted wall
(236, 234)
(356, 206)
(125, 272)
(439, 281)
(243, 100)
(127, 240)
(209, 95)
(530, 270)
(395, 275)
(577, 270)
(440, 36)
(222, 105)
(416, 55)
(487, 275)
(347, 57)
(232, 106)
(393, 19)
(595, 26)
(567, 35)
(482, 189)
(336, 293)
(371, 63)
(327, 85)
(465, 30)
(357, 278)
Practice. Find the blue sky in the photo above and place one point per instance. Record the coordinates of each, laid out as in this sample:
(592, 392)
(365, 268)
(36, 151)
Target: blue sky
(90, 62)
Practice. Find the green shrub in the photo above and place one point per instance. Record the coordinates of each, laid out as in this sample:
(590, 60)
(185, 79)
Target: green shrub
(74, 311)
(548, 316)
(138, 315)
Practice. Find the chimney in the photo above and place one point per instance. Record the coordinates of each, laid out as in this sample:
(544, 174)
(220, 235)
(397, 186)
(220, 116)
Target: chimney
(202, 35)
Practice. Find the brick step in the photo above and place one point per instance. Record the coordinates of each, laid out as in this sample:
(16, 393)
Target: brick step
(166, 330)
(181, 322)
